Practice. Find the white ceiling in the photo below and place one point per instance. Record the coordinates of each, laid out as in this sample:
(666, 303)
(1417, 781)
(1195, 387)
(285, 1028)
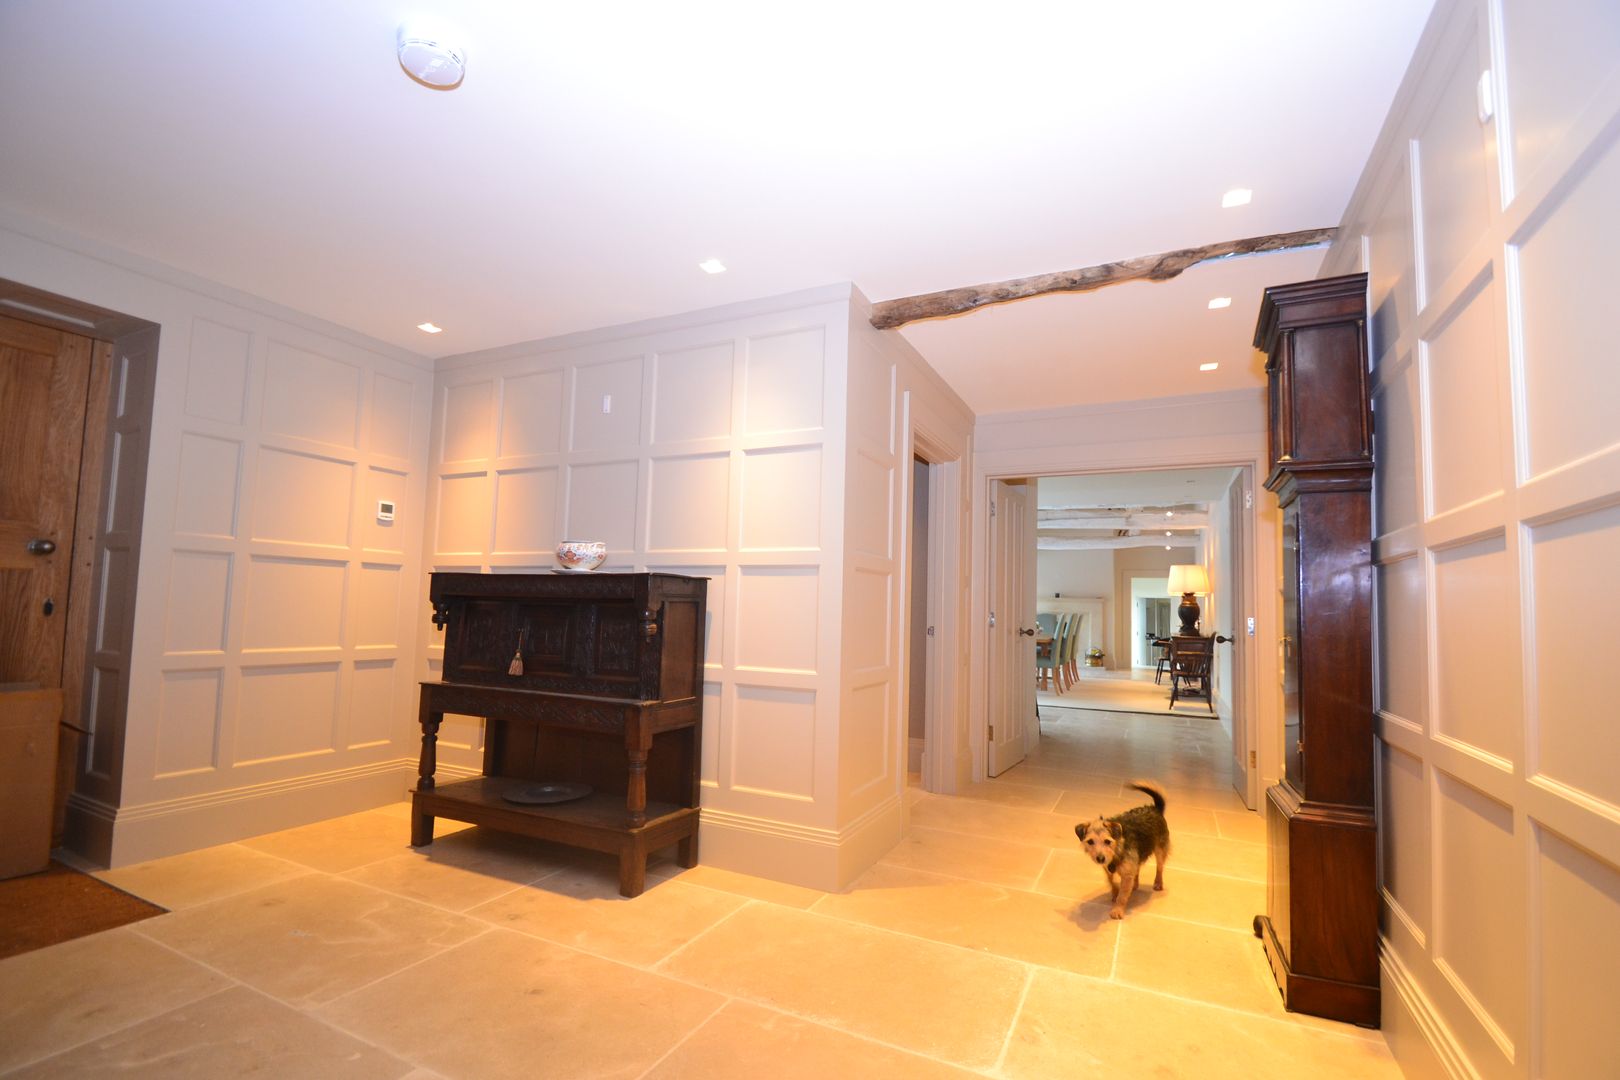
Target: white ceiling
(1152, 487)
(596, 153)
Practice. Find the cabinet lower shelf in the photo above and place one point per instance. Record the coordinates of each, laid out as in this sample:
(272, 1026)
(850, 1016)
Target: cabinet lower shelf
(599, 822)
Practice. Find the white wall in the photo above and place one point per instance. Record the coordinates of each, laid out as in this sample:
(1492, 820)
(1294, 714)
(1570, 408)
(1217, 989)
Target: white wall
(1074, 572)
(1490, 247)
(752, 445)
(273, 627)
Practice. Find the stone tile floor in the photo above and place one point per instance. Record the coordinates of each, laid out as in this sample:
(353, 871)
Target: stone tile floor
(979, 946)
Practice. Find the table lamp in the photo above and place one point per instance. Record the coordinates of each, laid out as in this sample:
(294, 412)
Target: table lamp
(1188, 579)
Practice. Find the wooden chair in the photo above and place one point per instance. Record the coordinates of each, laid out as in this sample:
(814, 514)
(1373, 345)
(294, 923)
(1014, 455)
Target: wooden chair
(1191, 658)
(1162, 644)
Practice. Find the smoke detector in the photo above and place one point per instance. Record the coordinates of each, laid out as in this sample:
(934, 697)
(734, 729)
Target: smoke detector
(431, 55)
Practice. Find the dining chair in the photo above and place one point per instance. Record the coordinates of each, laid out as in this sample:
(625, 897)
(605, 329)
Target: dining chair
(1191, 657)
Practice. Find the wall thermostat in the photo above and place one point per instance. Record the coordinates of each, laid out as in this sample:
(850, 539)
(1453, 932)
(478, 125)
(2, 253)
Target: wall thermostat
(385, 510)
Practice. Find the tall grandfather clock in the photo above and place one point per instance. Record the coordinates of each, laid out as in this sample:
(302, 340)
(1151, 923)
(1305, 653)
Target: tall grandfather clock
(1320, 928)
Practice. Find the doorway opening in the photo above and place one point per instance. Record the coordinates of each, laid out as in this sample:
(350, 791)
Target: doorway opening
(1100, 552)
(79, 381)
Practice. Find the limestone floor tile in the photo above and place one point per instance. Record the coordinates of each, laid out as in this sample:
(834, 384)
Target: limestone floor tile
(1012, 793)
(54, 998)
(1204, 963)
(1247, 825)
(341, 843)
(995, 862)
(583, 909)
(1206, 797)
(236, 1032)
(1053, 776)
(1028, 926)
(1212, 855)
(1226, 902)
(746, 1042)
(309, 939)
(755, 888)
(977, 818)
(938, 1000)
(183, 881)
(1074, 1026)
(465, 869)
(524, 1008)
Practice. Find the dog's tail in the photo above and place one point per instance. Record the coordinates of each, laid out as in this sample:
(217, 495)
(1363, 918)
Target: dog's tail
(1152, 790)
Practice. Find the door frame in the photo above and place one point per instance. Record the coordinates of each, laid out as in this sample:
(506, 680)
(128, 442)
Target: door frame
(944, 726)
(1080, 460)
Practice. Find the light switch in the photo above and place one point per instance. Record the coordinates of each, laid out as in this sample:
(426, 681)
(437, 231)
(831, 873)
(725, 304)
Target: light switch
(607, 404)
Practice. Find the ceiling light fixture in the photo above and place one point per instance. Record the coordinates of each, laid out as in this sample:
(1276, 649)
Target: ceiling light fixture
(1169, 513)
(1220, 302)
(712, 266)
(1236, 197)
(429, 328)
(429, 55)
(1208, 367)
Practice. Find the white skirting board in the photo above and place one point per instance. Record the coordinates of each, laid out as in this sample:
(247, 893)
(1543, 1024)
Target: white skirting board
(131, 834)
(1423, 1045)
(914, 755)
(826, 859)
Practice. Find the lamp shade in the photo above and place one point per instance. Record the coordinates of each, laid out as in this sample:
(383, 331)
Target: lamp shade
(1188, 578)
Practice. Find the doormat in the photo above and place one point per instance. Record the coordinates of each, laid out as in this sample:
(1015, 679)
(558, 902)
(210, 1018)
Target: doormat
(59, 904)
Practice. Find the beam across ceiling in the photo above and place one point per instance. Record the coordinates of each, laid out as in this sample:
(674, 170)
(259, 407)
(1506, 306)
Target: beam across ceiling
(888, 314)
(1063, 543)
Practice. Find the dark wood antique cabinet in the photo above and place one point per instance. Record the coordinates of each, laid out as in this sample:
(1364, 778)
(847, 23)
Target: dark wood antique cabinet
(585, 680)
(1320, 928)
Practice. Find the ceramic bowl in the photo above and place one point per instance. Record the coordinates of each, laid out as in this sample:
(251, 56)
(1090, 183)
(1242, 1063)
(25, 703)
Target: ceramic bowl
(581, 554)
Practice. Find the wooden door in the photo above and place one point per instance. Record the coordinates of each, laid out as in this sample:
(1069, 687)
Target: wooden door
(1012, 650)
(44, 386)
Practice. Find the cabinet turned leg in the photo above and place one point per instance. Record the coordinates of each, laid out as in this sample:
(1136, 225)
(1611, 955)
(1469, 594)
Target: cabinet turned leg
(632, 870)
(686, 852)
(429, 761)
(635, 799)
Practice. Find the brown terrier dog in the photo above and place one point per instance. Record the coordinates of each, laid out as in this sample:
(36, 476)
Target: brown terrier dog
(1118, 844)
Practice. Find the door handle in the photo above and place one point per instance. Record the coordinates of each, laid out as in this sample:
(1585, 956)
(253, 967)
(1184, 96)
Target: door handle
(1027, 633)
(1220, 640)
(41, 546)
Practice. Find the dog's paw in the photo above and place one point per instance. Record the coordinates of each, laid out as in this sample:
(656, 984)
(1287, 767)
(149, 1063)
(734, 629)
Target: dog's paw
(1158, 888)
(1116, 913)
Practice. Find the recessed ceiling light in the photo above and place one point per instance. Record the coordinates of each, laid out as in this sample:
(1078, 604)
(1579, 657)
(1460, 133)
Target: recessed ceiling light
(712, 266)
(1208, 367)
(1167, 532)
(429, 328)
(1167, 547)
(1220, 302)
(1169, 513)
(1236, 197)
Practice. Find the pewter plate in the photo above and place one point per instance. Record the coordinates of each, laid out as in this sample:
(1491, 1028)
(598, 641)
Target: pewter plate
(538, 794)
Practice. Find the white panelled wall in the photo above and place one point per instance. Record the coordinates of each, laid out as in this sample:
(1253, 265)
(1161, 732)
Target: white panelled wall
(751, 446)
(274, 629)
(1488, 219)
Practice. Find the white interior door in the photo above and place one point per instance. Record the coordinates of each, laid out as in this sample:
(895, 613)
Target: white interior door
(1012, 627)
(1244, 769)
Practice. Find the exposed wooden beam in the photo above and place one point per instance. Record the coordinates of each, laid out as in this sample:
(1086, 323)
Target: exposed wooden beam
(1058, 543)
(888, 314)
(1060, 520)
